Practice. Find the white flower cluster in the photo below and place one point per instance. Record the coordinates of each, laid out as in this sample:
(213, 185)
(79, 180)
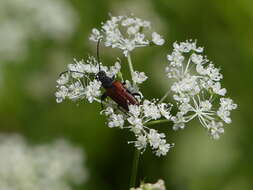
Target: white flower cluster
(50, 166)
(137, 120)
(22, 21)
(159, 185)
(80, 82)
(196, 87)
(126, 33)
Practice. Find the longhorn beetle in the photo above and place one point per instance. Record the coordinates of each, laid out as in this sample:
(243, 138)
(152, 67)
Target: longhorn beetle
(115, 89)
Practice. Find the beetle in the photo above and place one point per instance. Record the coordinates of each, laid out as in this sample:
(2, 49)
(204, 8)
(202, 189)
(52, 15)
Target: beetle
(115, 89)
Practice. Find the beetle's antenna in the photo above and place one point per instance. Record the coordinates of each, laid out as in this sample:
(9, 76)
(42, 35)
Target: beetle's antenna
(98, 57)
(71, 72)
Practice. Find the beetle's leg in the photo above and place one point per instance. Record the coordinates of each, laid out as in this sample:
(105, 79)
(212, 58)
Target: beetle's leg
(136, 94)
(122, 109)
(102, 98)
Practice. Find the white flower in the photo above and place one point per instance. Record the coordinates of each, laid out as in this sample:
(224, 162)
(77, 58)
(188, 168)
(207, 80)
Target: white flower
(196, 88)
(64, 78)
(151, 110)
(92, 91)
(216, 129)
(76, 91)
(165, 110)
(205, 105)
(186, 47)
(61, 94)
(226, 105)
(125, 33)
(218, 90)
(114, 69)
(141, 142)
(155, 138)
(157, 39)
(163, 148)
(135, 110)
(139, 77)
(80, 81)
(136, 124)
(138, 117)
(95, 35)
(77, 70)
(197, 59)
(116, 120)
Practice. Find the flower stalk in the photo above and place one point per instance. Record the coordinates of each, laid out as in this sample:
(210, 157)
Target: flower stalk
(165, 96)
(157, 122)
(130, 65)
(135, 168)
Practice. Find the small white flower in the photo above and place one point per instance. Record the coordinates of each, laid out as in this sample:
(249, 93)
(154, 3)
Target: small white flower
(197, 59)
(151, 110)
(186, 47)
(157, 39)
(178, 126)
(61, 94)
(155, 138)
(218, 90)
(108, 111)
(136, 124)
(114, 69)
(165, 110)
(95, 35)
(141, 142)
(116, 120)
(135, 110)
(163, 148)
(92, 91)
(205, 105)
(76, 91)
(216, 129)
(64, 78)
(77, 70)
(139, 77)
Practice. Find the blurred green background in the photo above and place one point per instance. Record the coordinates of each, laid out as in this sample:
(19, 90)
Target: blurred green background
(28, 107)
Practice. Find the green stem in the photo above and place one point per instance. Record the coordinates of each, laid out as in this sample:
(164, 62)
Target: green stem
(129, 60)
(157, 122)
(135, 168)
(165, 96)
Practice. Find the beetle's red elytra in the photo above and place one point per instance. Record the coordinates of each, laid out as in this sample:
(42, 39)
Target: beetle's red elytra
(120, 94)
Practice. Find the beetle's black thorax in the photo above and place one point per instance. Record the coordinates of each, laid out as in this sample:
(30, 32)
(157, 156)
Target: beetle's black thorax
(105, 80)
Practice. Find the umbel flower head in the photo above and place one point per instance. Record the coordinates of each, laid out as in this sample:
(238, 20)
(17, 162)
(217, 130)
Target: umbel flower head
(126, 33)
(79, 83)
(197, 89)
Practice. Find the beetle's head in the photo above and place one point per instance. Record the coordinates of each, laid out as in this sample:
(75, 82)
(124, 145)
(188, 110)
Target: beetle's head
(104, 79)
